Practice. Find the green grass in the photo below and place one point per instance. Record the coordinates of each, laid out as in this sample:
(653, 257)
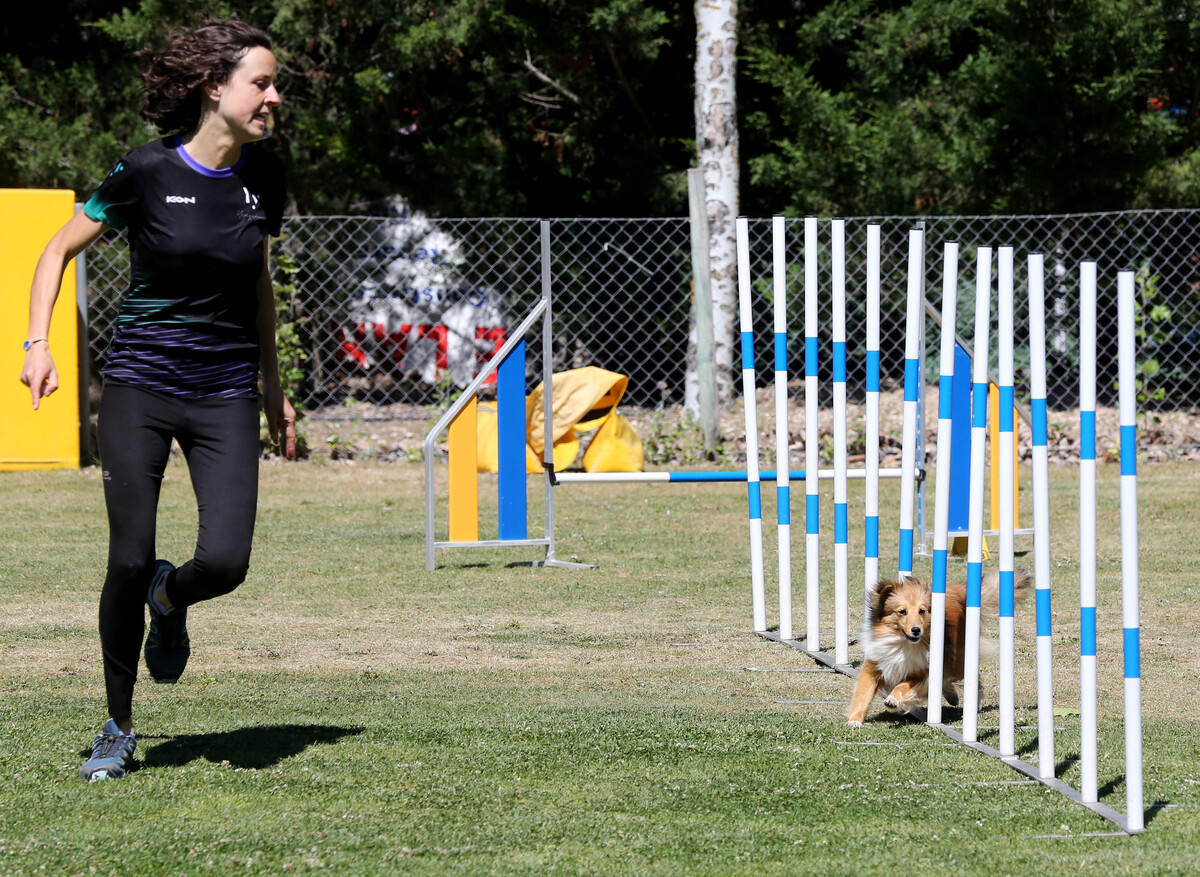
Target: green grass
(350, 712)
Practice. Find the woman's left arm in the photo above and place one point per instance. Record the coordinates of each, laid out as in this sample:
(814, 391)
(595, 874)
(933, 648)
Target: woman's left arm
(281, 418)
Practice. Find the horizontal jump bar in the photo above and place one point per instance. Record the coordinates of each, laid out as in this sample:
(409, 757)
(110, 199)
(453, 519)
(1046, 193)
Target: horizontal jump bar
(492, 543)
(766, 475)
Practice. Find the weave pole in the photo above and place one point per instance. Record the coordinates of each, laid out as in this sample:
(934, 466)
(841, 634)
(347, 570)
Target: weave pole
(753, 487)
(812, 496)
(941, 502)
(914, 330)
(782, 488)
(841, 517)
(1041, 513)
(1127, 393)
(871, 492)
(1088, 746)
(1007, 503)
(979, 408)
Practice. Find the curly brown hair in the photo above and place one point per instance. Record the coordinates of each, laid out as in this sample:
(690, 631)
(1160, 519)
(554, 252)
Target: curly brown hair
(193, 59)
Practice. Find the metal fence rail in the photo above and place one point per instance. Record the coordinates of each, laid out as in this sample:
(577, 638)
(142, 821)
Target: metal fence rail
(401, 309)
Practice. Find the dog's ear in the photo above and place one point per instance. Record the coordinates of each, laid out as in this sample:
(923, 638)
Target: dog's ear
(883, 589)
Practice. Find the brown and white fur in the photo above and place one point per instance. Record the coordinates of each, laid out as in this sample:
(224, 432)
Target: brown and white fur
(896, 638)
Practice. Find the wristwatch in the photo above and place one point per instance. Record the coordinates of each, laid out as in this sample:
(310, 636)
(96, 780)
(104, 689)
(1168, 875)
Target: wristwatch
(29, 344)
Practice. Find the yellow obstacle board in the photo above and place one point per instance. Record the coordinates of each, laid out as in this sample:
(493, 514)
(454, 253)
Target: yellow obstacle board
(49, 437)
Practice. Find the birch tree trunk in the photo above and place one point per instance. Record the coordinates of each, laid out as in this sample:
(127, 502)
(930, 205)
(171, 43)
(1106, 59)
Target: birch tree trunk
(717, 154)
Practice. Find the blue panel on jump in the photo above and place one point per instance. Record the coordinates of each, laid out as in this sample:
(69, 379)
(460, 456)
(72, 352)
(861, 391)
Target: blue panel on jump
(1006, 409)
(1087, 631)
(1129, 450)
(912, 380)
(781, 352)
(906, 549)
(841, 528)
(783, 501)
(872, 371)
(1043, 611)
(979, 405)
(1087, 435)
(810, 357)
(1007, 598)
(960, 443)
(754, 494)
(812, 514)
(1037, 410)
(974, 585)
(748, 351)
(510, 434)
(1133, 653)
(839, 361)
(872, 532)
(939, 571)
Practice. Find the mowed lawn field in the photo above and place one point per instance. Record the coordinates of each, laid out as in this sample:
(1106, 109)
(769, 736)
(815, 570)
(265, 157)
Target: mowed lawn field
(348, 712)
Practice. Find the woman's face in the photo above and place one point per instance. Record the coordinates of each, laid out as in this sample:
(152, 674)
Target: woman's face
(245, 102)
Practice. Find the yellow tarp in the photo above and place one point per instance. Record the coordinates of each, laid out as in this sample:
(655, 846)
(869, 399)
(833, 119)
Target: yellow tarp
(585, 399)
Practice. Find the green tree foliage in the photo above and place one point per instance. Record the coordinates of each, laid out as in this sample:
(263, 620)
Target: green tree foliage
(551, 107)
(953, 106)
(467, 107)
(68, 99)
(584, 107)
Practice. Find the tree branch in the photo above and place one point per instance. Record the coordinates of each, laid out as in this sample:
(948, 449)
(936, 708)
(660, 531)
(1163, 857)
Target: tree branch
(553, 83)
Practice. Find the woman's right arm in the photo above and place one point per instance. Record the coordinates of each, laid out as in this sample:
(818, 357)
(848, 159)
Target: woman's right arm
(39, 373)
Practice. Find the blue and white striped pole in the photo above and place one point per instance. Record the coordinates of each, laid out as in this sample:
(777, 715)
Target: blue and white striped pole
(841, 520)
(1088, 747)
(753, 487)
(1007, 511)
(782, 488)
(871, 492)
(914, 328)
(1041, 513)
(812, 499)
(1127, 393)
(941, 502)
(979, 406)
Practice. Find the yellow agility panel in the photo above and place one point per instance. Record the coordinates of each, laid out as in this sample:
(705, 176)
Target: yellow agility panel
(464, 475)
(49, 437)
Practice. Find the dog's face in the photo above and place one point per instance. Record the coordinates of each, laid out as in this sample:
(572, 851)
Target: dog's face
(904, 606)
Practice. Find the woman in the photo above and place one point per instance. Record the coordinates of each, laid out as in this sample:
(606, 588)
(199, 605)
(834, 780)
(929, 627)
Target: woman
(195, 331)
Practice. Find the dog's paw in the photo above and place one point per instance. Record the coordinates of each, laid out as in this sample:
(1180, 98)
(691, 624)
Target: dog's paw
(951, 696)
(853, 723)
(891, 702)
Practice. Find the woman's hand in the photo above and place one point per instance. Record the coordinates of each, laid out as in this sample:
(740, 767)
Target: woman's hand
(281, 420)
(39, 373)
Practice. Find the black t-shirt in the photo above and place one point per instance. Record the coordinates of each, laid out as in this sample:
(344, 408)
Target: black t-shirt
(187, 324)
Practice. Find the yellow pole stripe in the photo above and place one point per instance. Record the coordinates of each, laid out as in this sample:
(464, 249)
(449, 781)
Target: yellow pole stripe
(993, 429)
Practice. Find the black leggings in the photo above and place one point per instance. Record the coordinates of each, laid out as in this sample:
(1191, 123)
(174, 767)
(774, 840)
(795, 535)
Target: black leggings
(219, 438)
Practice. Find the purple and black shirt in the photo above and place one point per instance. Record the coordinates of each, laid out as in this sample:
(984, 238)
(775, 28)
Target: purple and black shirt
(187, 325)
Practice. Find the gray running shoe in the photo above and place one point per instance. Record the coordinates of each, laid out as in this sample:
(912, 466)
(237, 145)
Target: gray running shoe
(167, 644)
(112, 754)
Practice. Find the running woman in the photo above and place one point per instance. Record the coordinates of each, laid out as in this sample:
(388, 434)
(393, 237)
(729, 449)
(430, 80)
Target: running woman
(195, 337)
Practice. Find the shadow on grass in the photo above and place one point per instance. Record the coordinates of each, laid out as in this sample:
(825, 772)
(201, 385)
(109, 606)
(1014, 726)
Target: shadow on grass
(257, 746)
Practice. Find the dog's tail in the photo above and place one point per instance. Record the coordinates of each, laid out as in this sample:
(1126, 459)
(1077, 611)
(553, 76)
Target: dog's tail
(990, 594)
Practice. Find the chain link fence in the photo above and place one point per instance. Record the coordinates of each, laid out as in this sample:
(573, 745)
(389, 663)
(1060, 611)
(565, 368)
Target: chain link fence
(400, 310)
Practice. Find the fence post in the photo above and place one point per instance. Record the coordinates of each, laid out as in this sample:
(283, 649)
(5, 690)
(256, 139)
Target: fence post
(706, 379)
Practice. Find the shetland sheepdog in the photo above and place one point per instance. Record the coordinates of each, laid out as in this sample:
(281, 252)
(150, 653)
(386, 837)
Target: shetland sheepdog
(896, 638)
